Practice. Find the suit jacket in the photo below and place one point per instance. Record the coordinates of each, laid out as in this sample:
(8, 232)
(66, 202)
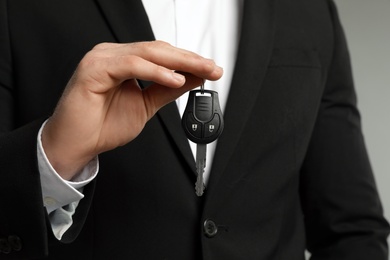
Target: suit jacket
(290, 170)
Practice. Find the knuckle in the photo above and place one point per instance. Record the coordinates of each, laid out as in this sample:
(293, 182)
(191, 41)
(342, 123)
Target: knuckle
(129, 60)
(161, 43)
(90, 60)
(150, 45)
(102, 46)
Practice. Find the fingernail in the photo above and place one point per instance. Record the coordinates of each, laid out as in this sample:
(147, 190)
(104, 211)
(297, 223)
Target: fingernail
(219, 69)
(178, 77)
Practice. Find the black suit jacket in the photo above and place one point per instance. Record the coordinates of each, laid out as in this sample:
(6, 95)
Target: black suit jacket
(290, 170)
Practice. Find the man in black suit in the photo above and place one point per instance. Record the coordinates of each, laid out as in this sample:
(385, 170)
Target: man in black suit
(290, 171)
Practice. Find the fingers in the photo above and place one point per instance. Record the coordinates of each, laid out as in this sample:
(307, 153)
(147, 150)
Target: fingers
(173, 58)
(110, 64)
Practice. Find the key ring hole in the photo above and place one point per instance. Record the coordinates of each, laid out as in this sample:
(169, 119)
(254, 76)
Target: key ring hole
(203, 94)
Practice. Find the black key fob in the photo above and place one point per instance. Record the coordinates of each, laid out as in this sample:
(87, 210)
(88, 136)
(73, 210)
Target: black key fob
(202, 120)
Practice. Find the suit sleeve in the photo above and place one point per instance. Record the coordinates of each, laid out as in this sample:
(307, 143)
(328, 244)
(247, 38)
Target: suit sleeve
(24, 229)
(343, 213)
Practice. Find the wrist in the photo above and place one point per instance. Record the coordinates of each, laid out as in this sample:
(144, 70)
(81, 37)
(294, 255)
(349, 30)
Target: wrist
(64, 157)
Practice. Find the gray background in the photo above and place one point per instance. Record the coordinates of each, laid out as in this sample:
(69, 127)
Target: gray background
(367, 27)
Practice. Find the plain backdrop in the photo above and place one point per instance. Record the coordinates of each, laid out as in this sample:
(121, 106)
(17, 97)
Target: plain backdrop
(367, 27)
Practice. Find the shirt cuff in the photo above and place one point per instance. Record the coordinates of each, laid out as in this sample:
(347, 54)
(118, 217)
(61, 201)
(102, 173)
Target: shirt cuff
(57, 192)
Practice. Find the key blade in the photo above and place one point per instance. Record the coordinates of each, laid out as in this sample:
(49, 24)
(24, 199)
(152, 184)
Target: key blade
(199, 186)
(201, 150)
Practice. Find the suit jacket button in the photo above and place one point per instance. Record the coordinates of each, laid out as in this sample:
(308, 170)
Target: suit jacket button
(5, 246)
(15, 242)
(210, 229)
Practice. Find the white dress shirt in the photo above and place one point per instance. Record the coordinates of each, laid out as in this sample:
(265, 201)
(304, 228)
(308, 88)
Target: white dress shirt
(209, 28)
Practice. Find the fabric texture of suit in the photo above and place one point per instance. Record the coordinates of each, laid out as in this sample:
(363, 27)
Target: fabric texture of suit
(290, 170)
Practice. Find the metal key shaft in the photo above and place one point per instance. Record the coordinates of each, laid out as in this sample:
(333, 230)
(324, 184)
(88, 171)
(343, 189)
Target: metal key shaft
(201, 150)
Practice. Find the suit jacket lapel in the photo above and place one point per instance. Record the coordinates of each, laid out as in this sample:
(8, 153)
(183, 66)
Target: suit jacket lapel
(170, 117)
(255, 49)
(129, 23)
(127, 20)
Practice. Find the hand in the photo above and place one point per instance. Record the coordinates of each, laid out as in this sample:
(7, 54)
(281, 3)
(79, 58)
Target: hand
(103, 107)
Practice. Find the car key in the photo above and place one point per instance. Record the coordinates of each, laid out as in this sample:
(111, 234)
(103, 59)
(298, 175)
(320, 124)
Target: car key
(203, 123)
